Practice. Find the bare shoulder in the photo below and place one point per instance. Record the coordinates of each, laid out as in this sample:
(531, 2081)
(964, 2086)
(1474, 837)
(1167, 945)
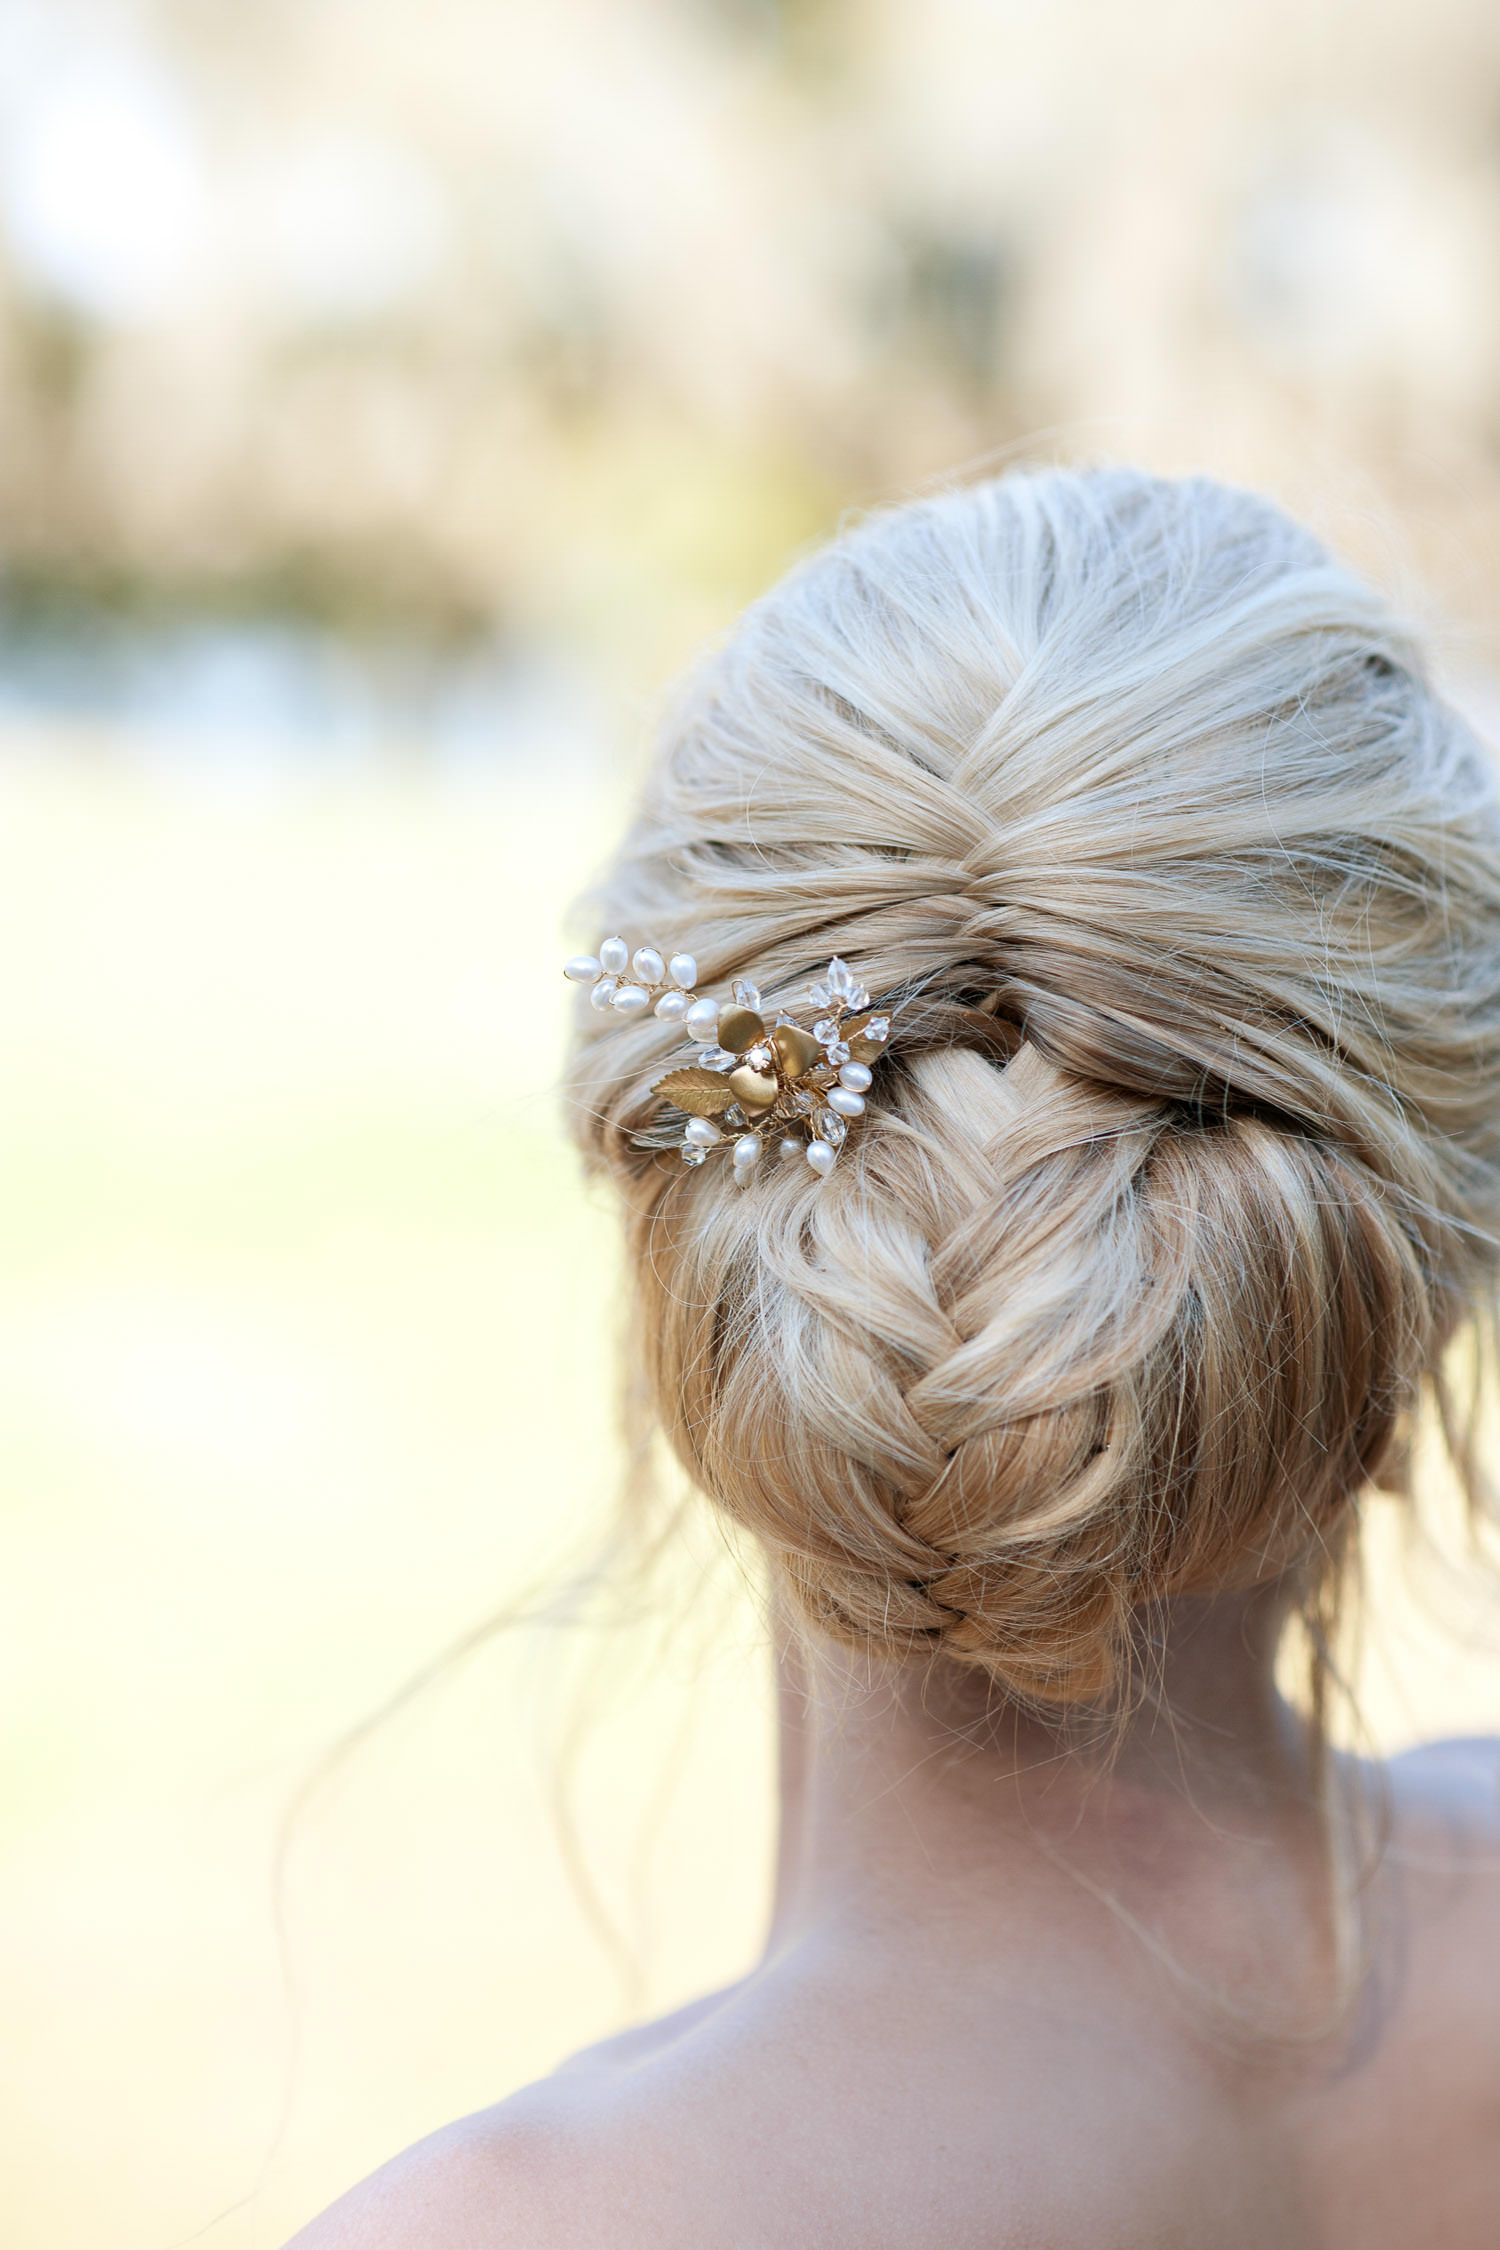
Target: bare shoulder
(526, 2175)
(802, 2108)
(546, 2170)
(1445, 1857)
(1448, 1793)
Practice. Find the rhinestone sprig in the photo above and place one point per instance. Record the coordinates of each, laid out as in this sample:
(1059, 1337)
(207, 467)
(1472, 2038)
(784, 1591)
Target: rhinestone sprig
(752, 1081)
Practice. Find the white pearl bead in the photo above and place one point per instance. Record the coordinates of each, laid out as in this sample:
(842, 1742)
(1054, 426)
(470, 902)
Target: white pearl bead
(790, 1149)
(855, 1076)
(603, 994)
(672, 1006)
(647, 964)
(614, 956)
(683, 970)
(703, 1018)
(702, 1131)
(632, 1000)
(747, 1151)
(821, 1157)
(582, 969)
(840, 1099)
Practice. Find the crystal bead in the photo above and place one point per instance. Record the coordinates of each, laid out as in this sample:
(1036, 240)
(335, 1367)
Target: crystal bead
(838, 1052)
(603, 994)
(632, 1000)
(735, 1116)
(821, 1157)
(825, 1029)
(877, 1030)
(830, 1127)
(855, 1076)
(846, 1103)
(703, 1018)
(845, 986)
(614, 956)
(802, 1101)
(747, 994)
(672, 1007)
(683, 970)
(582, 969)
(702, 1131)
(692, 1154)
(648, 964)
(716, 1058)
(819, 996)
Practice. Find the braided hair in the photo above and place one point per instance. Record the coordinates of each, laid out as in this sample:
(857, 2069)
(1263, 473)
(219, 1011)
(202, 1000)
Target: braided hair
(1136, 1294)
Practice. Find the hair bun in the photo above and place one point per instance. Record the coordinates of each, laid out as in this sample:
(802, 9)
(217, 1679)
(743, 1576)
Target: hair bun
(1134, 1274)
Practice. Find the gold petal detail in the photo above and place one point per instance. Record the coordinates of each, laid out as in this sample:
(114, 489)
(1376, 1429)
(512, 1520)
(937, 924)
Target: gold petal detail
(864, 1050)
(754, 1089)
(702, 1093)
(797, 1048)
(740, 1028)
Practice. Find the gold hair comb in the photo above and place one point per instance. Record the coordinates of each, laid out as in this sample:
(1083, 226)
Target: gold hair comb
(752, 1080)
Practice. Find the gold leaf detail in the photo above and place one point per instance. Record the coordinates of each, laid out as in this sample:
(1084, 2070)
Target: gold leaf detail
(702, 1093)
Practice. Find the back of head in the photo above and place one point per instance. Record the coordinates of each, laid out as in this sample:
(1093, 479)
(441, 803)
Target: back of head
(1136, 1301)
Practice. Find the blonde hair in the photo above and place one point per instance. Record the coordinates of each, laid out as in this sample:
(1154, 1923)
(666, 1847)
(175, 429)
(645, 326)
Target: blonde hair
(1143, 1309)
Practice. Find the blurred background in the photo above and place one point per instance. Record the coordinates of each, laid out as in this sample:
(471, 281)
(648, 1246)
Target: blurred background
(391, 396)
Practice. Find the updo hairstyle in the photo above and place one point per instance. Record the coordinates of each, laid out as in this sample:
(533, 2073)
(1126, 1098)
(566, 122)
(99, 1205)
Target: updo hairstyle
(1141, 1310)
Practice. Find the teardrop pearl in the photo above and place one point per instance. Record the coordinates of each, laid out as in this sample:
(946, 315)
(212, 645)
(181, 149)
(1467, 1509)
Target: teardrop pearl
(603, 994)
(746, 1152)
(683, 970)
(790, 1149)
(614, 956)
(647, 964)
(702, 1131)
(582, 969)
(821, 1157)
(855, 1076)
(672, 1007)
(632, 1000)
(841, 1099)
(703, 1018)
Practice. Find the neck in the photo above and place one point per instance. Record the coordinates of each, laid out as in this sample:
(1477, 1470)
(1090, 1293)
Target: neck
(912, 1788)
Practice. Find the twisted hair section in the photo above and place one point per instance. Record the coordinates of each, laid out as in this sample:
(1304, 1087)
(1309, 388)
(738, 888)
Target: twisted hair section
(1137, 1296)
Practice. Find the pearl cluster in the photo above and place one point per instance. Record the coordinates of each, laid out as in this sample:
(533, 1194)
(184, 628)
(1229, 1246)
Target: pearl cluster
(750, 1077)
(631, 982)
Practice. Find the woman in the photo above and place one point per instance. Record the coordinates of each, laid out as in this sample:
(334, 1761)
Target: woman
(1159, 1222)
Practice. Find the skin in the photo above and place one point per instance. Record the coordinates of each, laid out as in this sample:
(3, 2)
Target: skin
(1021, 1996)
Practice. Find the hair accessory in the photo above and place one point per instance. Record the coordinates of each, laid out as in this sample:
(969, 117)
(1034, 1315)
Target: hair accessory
(753, 1081)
